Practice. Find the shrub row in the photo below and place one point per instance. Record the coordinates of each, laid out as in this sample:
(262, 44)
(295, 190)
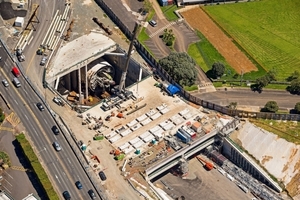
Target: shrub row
(37, 167)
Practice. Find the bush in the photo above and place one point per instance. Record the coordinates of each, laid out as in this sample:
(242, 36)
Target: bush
(37, 167)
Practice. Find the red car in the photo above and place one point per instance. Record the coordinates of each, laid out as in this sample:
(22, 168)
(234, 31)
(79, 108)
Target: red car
(15, 71)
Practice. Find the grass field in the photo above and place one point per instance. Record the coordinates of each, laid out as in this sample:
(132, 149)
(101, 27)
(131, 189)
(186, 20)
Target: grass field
(169, 12)
(268, 30)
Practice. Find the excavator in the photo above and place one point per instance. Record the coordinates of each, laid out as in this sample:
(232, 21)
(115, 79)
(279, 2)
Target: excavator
(208, 165)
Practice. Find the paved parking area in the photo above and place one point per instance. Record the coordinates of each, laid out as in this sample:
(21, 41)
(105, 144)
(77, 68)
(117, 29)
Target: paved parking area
(17, 180)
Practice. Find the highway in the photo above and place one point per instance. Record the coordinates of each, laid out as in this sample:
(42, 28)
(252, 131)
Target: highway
(63, 166)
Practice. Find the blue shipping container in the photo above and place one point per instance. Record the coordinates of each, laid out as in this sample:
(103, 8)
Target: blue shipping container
(185, 133)
(182, 136)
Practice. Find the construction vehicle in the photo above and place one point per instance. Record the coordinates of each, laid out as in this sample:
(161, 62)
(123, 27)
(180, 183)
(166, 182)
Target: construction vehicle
(208, 165)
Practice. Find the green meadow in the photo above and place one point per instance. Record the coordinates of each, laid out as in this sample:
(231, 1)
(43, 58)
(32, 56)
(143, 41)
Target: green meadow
(268, 30)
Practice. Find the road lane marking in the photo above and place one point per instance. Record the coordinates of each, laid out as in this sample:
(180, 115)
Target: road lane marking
(46, 122)
(7, 189)
(8, 182)
(26, 117)
(69, 160)
(35, 132)
(8, 175)
(57, 178)
(16, 102)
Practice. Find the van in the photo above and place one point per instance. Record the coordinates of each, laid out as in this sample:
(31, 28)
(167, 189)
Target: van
(16, 82)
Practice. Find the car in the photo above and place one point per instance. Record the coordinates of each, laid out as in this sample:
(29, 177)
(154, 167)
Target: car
(55, 130)
(78, 185)
(66, 195)
(152, 23)
(58, 101)
(5, 83)
(102, 176)
(21, 58)
(44, 60)
(56, 146)
(144, 12)
(40, 106)
(92, 194)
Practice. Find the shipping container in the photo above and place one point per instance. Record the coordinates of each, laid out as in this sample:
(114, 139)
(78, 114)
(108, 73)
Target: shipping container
(124, 146)
(142, 118)
(135, 140)
(138, 144)
(157, 115)
(148, 138)
(146, 121)
(185, 133)
(144, 135)
(183, 137)
(155, 128)
(115, 138)
(189, 131)
(127, 132)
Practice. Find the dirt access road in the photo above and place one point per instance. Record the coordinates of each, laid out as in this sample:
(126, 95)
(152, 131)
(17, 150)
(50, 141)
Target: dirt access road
(198, 19)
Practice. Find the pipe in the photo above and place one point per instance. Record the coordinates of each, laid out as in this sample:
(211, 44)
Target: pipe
(50, 27)
(54, 42)
(22, 36)
(66, 12)
(59, 26)
(53, 29)
(51, 41)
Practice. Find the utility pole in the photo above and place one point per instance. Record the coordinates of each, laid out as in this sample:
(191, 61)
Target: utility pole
(124, 73)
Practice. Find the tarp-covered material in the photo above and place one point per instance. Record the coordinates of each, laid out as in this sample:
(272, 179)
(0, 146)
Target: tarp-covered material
(172, 89)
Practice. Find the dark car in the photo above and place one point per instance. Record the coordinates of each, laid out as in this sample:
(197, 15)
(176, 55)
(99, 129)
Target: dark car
(102, 176)
(92, 194)
(66, 195)
(55, 130)
(40, 106)
(78, 185)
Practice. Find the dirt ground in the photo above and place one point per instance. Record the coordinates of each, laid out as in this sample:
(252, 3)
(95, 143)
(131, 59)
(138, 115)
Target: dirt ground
(198, 19)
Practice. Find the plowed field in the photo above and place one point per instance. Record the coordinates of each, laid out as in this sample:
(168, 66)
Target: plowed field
(199, 20)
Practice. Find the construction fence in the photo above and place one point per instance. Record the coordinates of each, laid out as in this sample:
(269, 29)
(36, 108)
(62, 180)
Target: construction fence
(156, 66)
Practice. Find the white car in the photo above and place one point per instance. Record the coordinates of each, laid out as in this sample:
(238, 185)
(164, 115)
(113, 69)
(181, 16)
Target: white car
(5, 83)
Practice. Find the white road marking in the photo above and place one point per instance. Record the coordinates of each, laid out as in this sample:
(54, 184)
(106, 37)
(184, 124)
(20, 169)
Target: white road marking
(8, 182)
(35, 132)
(6, 189)
(57, 178)
(26, 117)
(25, 91)
(8, 175)
(16, 102)
(69, 160)
(46, 122)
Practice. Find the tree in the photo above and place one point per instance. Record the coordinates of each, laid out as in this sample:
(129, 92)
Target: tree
(218, 69)
(293, 76)
(295, 86)
(2, 115)
(297, 107)
(271, 106)
(181, 67)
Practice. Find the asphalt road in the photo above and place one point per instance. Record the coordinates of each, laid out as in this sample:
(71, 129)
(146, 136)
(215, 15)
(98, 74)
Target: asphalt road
(63, 166)
(246, 97)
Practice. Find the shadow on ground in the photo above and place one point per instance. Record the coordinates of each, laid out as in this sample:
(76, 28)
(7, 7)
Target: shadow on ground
(7, 12)
(30, 173)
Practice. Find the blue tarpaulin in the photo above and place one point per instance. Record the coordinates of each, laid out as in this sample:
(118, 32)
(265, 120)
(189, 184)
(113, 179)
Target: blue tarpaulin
(172, 89)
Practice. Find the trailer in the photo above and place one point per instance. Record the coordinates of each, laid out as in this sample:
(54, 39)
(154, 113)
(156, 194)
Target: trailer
(138, 144)
(124, 146)
(128, 150)
(127, 132)
(150, 113)
(155, 128)
(184, 138)
(135, 140)
(169, 126)
(147, 121)
(149, 138)
(184, 112)
(144, 135)
(142, 118)
(115, 139)
(135, 127)
(111, 134)
(164, 111)
(132, 123)
(157, 115)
